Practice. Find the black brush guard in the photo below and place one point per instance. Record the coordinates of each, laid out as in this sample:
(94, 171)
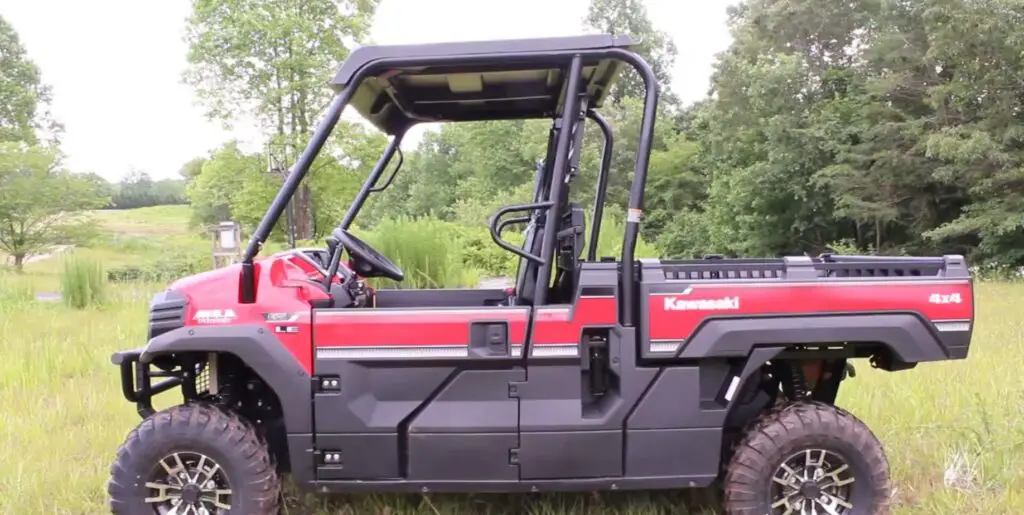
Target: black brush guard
(137, 377)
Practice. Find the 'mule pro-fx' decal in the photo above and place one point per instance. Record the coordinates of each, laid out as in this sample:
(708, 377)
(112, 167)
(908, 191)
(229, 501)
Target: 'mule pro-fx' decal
(445, 332)
(673, 317)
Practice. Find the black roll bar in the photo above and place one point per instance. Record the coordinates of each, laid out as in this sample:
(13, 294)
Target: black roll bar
(391, 178)
(495, 227)
(357, 204)
(602, 181)
(291, 183)
(628, 300)
(628, 278)
(569, 116)
(371, 181)
(284, 195)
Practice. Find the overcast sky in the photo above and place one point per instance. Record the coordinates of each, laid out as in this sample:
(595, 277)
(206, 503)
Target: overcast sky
(115, 65)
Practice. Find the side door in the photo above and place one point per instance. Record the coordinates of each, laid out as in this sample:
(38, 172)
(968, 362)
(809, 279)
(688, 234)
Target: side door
(400, 391)
(582, 381)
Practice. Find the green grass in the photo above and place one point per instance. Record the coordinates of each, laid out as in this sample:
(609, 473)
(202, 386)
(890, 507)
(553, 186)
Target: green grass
(155, 221)
(63, 415)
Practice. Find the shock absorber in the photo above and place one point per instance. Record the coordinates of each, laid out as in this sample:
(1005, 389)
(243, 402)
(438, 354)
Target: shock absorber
(798, 383)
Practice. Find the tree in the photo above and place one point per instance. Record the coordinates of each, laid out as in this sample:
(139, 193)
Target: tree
(138, 189)
(977, 49)
(24, 99)
(230, 185)
(629, 17)
(40, 203)
(191, 169)
(272, 60)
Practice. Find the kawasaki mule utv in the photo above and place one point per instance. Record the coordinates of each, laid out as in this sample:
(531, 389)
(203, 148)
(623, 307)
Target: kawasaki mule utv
(596, 373)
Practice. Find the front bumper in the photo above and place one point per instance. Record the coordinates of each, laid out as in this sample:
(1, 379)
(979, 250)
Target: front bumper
(137, 380)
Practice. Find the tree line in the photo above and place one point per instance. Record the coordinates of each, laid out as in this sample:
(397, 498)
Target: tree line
(880, 126)
(888, 127)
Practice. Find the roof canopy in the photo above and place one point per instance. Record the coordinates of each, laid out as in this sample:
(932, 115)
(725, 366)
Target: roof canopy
(484, 80)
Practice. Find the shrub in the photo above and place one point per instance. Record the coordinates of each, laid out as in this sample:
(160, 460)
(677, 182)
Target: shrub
(82, 282)
(481, 253)
(609, 242)
(429, 251)
(175, 265)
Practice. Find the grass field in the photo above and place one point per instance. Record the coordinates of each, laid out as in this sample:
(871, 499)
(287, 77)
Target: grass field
(63, 415)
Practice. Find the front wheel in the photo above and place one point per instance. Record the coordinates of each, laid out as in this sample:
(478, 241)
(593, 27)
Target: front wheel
(808, 458)
(194, 459)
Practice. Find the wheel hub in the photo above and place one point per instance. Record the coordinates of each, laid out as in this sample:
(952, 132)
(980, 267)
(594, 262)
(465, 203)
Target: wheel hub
(186, 483)
(190, 494)
(810, 490)
(813, 482)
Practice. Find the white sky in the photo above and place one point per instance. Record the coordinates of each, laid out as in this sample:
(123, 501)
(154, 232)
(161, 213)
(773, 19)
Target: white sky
(115, 65)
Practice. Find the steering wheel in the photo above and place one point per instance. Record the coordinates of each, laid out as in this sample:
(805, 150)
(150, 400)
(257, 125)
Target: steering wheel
(366, 261)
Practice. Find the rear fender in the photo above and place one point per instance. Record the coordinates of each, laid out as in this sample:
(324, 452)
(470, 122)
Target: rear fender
(909, 338)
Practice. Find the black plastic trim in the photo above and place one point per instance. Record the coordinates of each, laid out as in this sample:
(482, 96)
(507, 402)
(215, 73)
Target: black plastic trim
(166, 312)
(907, 334)
(361, 57)
(557, 485)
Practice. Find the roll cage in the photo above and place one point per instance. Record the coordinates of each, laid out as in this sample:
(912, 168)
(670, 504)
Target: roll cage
(562, 79)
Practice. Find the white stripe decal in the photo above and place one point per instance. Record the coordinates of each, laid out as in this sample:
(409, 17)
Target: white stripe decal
(437, 351)
(555, 350)
(781, 283)
(550, 350)
(401, 311)
(664, 345)
(396, 352)
(947, 326)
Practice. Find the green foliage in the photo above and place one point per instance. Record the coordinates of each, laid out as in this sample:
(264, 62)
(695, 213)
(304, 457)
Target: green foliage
(165, 269)
(271, 60)
(429, 252)
(629, 17)
(40, 203)
(82, 282)
(137, 190)
(24, 99)
(230, 187)
(881, 127)
(479, 252)
(613, 230)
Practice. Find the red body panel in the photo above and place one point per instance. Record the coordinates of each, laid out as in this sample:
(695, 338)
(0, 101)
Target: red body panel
(283, 289)
(412, 327)
(284, 294)
(554, 325)
(954, 301)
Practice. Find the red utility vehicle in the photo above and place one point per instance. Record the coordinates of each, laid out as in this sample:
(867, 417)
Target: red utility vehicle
(591, 373)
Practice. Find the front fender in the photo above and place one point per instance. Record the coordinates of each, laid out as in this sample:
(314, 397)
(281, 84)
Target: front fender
(257, 348)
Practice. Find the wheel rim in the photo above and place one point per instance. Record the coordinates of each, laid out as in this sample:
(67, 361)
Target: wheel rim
(813, 482)
(188, 483)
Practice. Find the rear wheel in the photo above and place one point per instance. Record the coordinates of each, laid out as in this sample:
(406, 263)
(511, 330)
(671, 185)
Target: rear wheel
(808, 458)
(194, 459)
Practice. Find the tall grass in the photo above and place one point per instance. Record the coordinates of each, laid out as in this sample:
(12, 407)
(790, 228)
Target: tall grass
(428, 250)
(14, 289)
(82, 282)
